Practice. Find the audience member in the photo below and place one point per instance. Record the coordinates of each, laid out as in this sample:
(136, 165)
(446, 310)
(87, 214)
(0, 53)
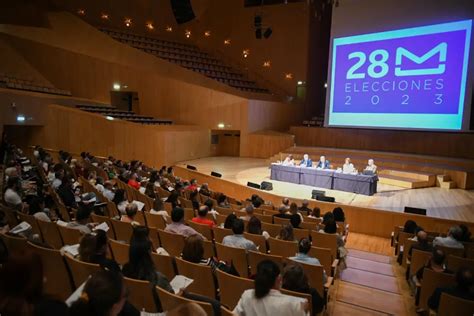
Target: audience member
(286, 233)
(466, 234)
(94, 248)
(109, 191)
(463, 288)
(222, 201)
(99, 184)
(12, 195)
(339, 215)
(266, 299)
(293, 210)
(436, 263)
(204, 190)
(452, 240)
(210, 204)
(238, 240)
(193, 186)
(36, 208)
(254, 226)
(173, 198)
(120, 200)
(229, 221)
(202, 217)
(421, 244)
(66, 193)
(130, 213)
(328, 217)
(159, 209)
(178, 226)
(410, 226)
(304, 246)
(58, 175)
(294, 279)
(133, 181)
(249, 210)
(81, 222)
(285, 203)
(304, 207)
(315, 213)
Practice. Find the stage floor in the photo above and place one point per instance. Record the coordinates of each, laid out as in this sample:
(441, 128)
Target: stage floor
(453, 204)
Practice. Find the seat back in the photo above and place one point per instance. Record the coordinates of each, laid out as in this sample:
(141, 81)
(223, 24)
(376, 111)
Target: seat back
(119, 251)
(236, 256)
(323, 240)
(50, 233)
(402, 236)
(309, 225)
(170, 301)
(220, 233)
(258, 240)
(104, 219)
(231, 288)
(209, 250)
(155, 220)
(70, 236)
(58, 282)
(314, 274)
(80, 270)
(203, 229)
(14, 243)
(458, 252)
(30, 219)
(324, 256)
(453, 306)
(272, 229)
(224, 211)
(281, 221)
(173, 243)
(202, 275)
(10, 215)
(141, 295)
(301, 233)
(305, 296)
(406, 249)
(418, 259)
(431, 281)
(255, 258)
(164, 264)
(264, 218)
(455, 263)
(282, 248)
(123, 230)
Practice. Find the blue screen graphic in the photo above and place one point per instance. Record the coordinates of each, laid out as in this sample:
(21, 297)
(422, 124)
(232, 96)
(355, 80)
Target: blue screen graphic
(408, 78)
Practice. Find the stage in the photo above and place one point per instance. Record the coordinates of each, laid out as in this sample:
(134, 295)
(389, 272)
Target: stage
(454, 204)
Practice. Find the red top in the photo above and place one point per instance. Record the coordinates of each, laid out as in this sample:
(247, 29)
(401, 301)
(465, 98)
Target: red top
(192, 187)
(203, 221)
(134, 184)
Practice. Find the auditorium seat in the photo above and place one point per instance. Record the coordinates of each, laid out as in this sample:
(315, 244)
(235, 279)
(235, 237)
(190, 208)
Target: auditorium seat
(432, 280)
(453, 306)
(454, 263)
(123, 230)
(315, 277)
(254, 258)
(231, 288)
(50, 233)
(80, 270)
(104, 219)
(282, 248)
(170, 301)
(155, 221)
(272, 229)
(202, 275)
(119, 251)
(165, 264)
(14, 243)
(220, 233)
(172, 243)
(70, 236)
(236, 256)
(203, 229)
(141, 295)
(10, 215)
(326, 259)
(258, 240)
(56, 275)
(30, 219)
(323, 240)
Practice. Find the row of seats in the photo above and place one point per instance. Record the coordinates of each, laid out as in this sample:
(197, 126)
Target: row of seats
(124, 115)
(11, 82)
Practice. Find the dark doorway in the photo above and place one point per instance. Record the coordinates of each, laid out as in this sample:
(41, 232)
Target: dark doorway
(124, 100)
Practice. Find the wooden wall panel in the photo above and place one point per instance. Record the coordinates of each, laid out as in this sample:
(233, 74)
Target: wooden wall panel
(76, 131)
(362, 220)
(459, 145)
(267, 144)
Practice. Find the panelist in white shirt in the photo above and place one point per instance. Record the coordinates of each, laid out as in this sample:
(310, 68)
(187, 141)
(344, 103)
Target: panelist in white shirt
(289, 161)
(371, 166)
(348, 167)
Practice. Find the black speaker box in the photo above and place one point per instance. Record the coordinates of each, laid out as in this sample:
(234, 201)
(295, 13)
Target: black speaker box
(191, 167)
(267, 186)
(253, 185)
(182, 10)
(315, 193)
(414, 210)
(216, 174)
(325, 198)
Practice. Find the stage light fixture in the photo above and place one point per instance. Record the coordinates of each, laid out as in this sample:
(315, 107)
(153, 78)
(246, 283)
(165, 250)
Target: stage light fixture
(207, 33)
(227, 41)
(128, 22)
(289, 76)
(325, 85)
(246, 53)
(187, 33)
(150, 26)
(221, 125)
(104, 16)
(169, 29)
(116, 86)
(267, 63)
(81, 12)
(20, 118)
(268, 32)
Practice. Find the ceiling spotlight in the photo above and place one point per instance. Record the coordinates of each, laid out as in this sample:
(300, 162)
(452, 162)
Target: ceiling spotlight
(207, 33)
(267, 63)
(104, 16)
(20, 118)
(187, 33)
(150, 26)
(128, 22)
(221, 125)
(289, 75)
(227, 41)
(169, 29)
(116, 86)
(81, 12)
(246, 53)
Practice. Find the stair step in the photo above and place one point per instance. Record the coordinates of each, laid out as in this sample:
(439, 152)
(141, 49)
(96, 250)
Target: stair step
(448, 185)
(403, 182)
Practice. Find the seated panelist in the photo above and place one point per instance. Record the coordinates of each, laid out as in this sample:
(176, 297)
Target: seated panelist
(306, 162)
(348, 167)
(289, 161)
(371, 166)
(323, 163)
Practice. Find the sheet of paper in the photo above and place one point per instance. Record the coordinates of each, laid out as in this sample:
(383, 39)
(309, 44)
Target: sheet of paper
(20, 228)
(61, 223)
(180, 282)
(76, 294)
(103, 226)
(73, 250)
(139, 204)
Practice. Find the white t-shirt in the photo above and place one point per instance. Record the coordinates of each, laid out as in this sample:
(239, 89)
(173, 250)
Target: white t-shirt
(273, 304)
(12, 197)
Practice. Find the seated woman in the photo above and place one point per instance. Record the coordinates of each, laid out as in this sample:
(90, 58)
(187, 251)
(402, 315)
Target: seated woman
(120, 200)
(286, 233)
(93, 249)
(266, 298)
(131, 211)
(222, 201)
(159, 209)
(315, 213)
(254, 226)
(229, 220)
(289, 161)
(294, 279)
(331, 228)
(348, 167)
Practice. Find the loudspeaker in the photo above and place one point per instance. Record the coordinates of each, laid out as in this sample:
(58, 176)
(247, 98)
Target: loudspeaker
(325, 198)
(182, 10)
(216, 174)
(253, 185)
(268, 32)
(267, 186)
(414, 210)
(191, 167)
(315, 193)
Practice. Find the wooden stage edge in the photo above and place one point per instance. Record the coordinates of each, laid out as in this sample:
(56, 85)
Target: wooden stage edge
(370, 221)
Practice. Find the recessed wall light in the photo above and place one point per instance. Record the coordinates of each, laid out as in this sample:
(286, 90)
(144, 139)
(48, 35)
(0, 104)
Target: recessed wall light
(104, 16)
(81, 12)
(267, 63)
(187, 33)
(169, 29)
(289, 75)
(149, 25)
(116, 86)
(227, 42)
(128, 22)
(20, 118)
(246, 53)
